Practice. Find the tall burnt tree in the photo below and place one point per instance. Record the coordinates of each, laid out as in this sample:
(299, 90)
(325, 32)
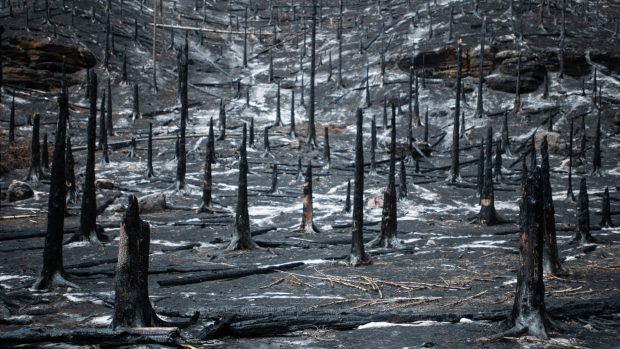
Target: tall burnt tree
(528, 312)
(278, 122)
(373, 145)
(311, 136)
(454, 175)
(327, 155)
(52, 273)
(358, 256)
(505, 136)
(45, 155)
(267, 150)
(103, 135)
(307, 215)
(35, 172)
(347, 200)
(274, 179)
(149, 154)
(182, 160)
(242, 237)
(582, 215)
(108, 121)
(207, 183)
(497, 164)
(12, 120)
(291, 131)
(222, 121)
(480, 173)
(552, 262)
(211, 137)
(88, 214)
(402, 176)
(251, 134)
(517, 104)
(488, 215)
(135, 112)
(71, 194)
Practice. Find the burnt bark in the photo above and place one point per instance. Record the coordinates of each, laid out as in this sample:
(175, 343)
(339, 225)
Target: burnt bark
(454, 174)
(426, 126)
(488, 215)
(71, 189)
(52, 273)
(582, 140)
(373, 146)
(251, 134)
(207, 183)
(35, 172)
(480, 175)
(479, 105)
(267, 147)
(307, 216)
(517, 104)
(497, 164)
(582, 215)
(88, 214)
(274, 179)
(551, 258)
(211, 137)
(133, 148)
(416, 104)
(12, 121)
(103, 133)
(347, 200)
(242, 238)
(222, 121)
(528, 312)
(182, 159)
(278, 122)
(505, 140)
(606, 211)
(358, 256)
(326, 150)
(149, 162)
(402, 186)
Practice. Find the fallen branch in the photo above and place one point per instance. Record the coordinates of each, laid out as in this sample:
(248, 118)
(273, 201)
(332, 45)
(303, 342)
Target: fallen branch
(101, 336)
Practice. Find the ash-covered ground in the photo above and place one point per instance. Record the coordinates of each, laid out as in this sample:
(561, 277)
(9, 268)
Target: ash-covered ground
(447, 265)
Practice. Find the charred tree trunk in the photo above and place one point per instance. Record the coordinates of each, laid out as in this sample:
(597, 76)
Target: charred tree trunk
(103, 133)
(135, 113)
(45, 155)
(311, 137)
(517, 105)
(373, 145)
(292, 132)
(347, 200)
(71, 194)
(278, 122)
(245, 40)
(488, 215)
(212, 141)
(35, 173)
(505, 135)
(267, 151)
(251, 134)
(402, 176)
(497, 169)
(12, 121)
(596, 158)
(307, 216)
(274, 179)
(426, 126)
(552, 262)
(480, 174)
(326, 150)
(242, 237)
(416, 104)
(454, 175)
(569, 193)
(606, 211)
(52, 273)
(133, 148)
(222, 121)
(207, 183)
(528, 312)
(582, 213)
(358, 256)
(582, 140)
(88, 215)
(182, 160)
(149, 164)
(109, 123)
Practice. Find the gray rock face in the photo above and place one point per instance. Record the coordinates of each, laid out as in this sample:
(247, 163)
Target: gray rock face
(19, 191)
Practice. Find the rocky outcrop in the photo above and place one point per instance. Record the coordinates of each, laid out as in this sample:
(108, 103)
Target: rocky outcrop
(38, 64)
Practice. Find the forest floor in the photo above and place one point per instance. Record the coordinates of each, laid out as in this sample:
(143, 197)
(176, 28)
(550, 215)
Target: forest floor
(447, 266)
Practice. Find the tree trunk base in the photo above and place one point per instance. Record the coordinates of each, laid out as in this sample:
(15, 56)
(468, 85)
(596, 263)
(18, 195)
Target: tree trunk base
(385, 242)
(57, 279)
(357, 261)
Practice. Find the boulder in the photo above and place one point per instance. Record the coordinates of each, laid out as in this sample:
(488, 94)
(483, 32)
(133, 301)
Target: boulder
(152, 203)
(19, 191)
(557, 143)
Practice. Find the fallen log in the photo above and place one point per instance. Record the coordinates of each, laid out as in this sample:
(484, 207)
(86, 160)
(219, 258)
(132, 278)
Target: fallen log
(99, 336)
(232, 274)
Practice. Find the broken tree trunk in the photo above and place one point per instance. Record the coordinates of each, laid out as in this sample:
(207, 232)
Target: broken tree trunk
(71, 194)
(88, 213)
(52, 273)
(45, 155)
(606, 210)
(488, 215)
(582, 213)
(166, 336)
(132, 306)
(454, 175)
(35, 173)
(358, 256)
(505, 135)
(307, 216)
(497, 164)
(242, 237)
(528, 312)
(551, 259)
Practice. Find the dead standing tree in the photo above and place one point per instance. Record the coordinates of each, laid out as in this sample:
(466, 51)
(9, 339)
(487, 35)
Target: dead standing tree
(387, 236)
(182, 156)
(552, 262)
(454, 175)
(71, 195)
(88, 214)
(307, 216)
(207, 183)
(132, 307)
(606, 210)
(35, 173)
(53, 273)
(311, 136)
(242, 237)
(149, 154)
(358, 256)
(488, 216)
(582, 213)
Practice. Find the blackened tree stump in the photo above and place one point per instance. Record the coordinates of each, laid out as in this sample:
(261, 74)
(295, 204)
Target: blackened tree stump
(582, 213)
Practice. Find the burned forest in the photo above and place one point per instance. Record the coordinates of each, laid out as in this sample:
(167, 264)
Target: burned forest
(310, 173)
